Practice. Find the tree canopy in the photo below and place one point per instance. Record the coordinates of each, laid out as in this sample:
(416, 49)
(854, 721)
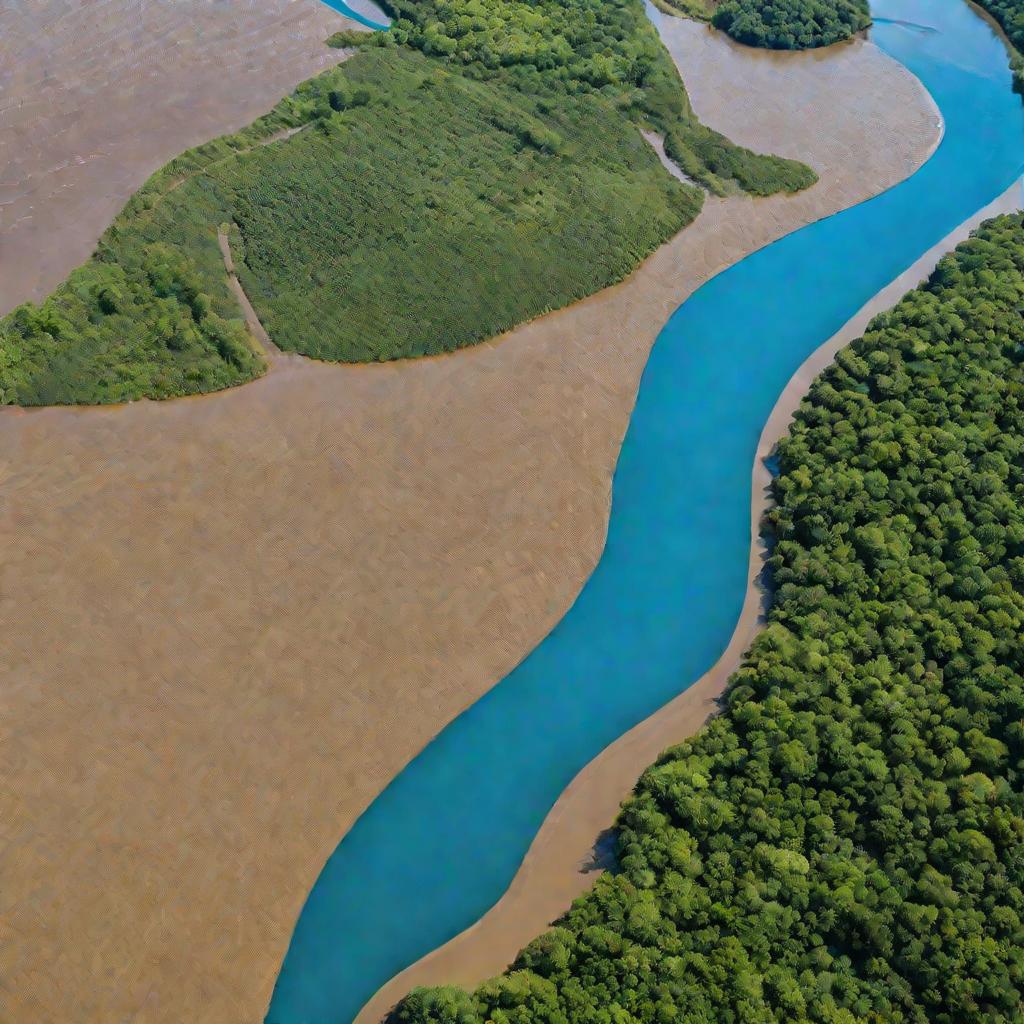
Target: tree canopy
(791, 24)
(844, 843)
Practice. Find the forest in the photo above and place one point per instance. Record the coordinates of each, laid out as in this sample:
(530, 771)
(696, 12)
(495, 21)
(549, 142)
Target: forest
(844, 842)
(791, 24)
(474, 167)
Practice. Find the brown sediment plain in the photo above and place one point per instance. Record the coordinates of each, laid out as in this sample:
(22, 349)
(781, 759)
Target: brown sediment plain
(566, 854)
(95, 95)
(229, 621)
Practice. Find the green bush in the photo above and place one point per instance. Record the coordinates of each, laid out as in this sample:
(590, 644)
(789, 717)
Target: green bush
(791, 24)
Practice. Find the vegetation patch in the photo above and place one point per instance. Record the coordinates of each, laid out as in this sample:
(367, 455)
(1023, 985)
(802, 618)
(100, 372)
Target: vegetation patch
(791, 24)
(844, 843)
(438, 210)
(475, 167)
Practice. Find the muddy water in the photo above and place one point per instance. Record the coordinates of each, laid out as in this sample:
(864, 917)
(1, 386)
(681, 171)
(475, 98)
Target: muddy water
(229, 621)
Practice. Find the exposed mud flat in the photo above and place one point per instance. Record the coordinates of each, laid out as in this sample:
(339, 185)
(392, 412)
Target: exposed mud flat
(229, 621)
(95, 95)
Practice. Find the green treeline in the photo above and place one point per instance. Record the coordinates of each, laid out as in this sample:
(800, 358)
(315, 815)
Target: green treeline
(1010, 16)
(474, 167)
(844, 843)
(791, 24)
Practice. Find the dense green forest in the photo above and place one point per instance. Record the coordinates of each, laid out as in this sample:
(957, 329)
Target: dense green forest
(606, 47)
(1010, 16)
(844, 843)
(475, 167)
(791, 24)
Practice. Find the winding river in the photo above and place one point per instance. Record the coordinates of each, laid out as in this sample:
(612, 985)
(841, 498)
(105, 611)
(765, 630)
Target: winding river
(440, 845)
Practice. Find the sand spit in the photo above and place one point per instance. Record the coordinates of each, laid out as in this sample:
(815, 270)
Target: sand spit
(95, 95)
(229, 621)
(564, 858)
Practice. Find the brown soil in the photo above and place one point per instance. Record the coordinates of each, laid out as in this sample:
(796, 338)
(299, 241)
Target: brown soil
(95, 95)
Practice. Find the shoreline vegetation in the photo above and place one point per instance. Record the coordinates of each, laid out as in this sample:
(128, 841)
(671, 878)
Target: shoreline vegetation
(779, 24)
(499, 152)
(843, 842)
(1009, 17)
(790, 24)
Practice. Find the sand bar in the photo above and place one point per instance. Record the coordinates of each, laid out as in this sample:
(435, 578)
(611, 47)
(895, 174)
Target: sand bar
(230, 620)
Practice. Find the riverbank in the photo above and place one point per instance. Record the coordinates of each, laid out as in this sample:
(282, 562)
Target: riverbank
(96, 96)
(571, 846)
(261, 604)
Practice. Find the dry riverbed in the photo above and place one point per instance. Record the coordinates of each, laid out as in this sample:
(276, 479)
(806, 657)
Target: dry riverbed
(229, 621)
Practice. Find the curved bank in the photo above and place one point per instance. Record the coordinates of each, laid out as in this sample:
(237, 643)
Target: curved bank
(441, 844)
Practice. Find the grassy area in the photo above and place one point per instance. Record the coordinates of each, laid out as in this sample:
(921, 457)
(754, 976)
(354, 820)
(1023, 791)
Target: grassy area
(472, 169)
(844, 843)
(442, 211)
(609, 47)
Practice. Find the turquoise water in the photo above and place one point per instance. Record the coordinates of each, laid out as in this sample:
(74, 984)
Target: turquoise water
(441, 843)
(370, 15)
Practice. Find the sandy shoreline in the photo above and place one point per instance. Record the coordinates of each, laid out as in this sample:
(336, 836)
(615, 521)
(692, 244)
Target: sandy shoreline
(563, 858)
(238, 616)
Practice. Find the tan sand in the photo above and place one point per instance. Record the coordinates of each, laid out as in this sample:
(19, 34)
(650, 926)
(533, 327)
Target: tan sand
(229, 621)
(95, 95)
(567, 853)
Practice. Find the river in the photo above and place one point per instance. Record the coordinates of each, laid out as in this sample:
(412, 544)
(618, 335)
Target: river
(439, 846)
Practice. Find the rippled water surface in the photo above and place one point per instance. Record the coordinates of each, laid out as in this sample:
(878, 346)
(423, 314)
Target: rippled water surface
(442, 842)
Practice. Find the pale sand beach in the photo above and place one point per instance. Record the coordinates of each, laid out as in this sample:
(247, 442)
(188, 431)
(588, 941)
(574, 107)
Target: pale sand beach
(229, 621)
(567, 853)
(95, 95)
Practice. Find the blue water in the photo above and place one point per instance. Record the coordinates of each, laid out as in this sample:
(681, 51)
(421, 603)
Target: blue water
(442, 842)
(360, 16)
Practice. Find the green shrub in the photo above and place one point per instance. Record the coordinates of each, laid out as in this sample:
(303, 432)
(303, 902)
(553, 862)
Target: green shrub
(791, 24)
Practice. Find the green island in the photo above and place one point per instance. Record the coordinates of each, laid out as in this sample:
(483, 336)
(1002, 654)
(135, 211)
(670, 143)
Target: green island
(791, 24)
(778, 24)
(470, 169)
(845, 841)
